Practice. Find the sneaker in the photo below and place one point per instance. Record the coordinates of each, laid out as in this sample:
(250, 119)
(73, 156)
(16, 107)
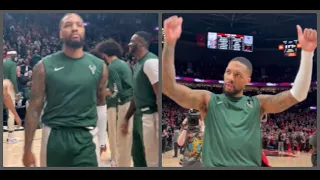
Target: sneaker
(20, 128)
(13, 140)
(113, 164)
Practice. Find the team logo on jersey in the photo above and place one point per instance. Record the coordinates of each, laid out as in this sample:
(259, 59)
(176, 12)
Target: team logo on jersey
(93, 69)
(250, 103)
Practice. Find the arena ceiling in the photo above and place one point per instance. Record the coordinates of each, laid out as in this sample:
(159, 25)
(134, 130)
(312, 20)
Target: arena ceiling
(262, 26)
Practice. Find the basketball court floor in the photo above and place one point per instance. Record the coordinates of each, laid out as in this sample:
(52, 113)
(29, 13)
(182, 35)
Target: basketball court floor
(302, 160)
(12, 153)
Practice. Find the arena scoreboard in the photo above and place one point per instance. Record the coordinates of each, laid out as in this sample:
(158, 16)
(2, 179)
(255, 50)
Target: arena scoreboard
(289, 47)
(233, 42)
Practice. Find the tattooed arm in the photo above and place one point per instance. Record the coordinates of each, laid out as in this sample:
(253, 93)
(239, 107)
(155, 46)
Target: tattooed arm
(36, 102)
(276, 103)
(101, 97)
(102, 109)
(182, 95)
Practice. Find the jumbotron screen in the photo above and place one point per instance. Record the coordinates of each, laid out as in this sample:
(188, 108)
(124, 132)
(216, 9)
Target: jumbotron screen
(233, 42)
(289, 48)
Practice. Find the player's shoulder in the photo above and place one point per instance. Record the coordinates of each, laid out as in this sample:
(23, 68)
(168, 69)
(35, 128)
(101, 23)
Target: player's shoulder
(152, 56)
(94, 58)
(51, 57)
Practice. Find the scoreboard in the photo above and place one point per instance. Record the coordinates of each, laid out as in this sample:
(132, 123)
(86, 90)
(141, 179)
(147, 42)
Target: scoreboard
(289, 48)
(233, 42)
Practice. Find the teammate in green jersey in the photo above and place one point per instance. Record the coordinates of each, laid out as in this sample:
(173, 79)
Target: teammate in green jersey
(144, 103)
(73, 84)
(120, 76)
(232, 120)
(10, 74)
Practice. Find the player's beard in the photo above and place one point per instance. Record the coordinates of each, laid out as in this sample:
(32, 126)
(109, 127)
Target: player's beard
(232, 93)
(74, 44)
(133, 51)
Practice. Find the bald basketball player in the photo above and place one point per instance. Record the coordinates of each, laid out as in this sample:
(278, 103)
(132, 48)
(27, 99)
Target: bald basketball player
(73, 83)
(8, 100)
(232, 120)
(9, 73)
(144, 103)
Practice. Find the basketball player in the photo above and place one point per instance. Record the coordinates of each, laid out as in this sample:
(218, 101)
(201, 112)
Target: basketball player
(121, 143)
(232, 118)
(10, 73)
(144, 103)
(8, 100)
(73, 83)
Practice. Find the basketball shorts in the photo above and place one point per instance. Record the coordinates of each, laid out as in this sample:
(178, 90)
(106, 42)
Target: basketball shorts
(68, 147)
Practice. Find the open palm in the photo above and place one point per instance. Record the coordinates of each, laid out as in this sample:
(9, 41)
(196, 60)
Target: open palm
(307, 39)
(172, 29)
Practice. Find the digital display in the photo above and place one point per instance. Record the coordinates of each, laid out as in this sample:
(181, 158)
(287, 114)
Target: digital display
(289, 48)
(233, 42)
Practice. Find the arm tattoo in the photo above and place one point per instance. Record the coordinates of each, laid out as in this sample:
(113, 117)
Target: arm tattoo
(101, 97)
(37, 95)
(277, 103)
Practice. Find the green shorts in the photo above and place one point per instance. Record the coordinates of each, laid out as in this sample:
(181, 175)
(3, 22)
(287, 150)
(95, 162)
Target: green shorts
(138, 155)
(68, 147)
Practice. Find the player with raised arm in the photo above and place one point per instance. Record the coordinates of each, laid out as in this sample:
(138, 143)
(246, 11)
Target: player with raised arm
(232, 120)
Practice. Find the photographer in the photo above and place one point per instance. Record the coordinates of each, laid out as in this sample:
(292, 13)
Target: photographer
(313, 142)
(191, 139)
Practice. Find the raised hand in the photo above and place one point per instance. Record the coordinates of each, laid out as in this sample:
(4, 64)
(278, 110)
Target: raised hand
(172, 29)
(307, 39)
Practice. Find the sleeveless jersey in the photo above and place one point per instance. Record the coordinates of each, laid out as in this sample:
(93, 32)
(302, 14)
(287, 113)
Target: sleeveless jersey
(232, 132)
(143, 93)
(71, 87)
(10, 72)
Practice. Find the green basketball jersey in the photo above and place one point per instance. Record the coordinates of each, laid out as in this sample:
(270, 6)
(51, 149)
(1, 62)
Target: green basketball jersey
(143, 92)
(10, 72)
(71, 88)
(232, 132)
(125, 75)
(113, 80)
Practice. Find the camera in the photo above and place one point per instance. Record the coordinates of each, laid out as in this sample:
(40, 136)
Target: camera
(193, 118)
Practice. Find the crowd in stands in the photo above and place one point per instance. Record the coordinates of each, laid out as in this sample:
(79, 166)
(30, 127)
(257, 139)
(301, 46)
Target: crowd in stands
(207, 70)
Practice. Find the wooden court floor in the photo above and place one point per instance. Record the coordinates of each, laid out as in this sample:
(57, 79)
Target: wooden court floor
(303, 160)
(12, 153)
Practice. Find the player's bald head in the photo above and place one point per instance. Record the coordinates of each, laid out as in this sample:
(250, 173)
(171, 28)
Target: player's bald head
(68, 16)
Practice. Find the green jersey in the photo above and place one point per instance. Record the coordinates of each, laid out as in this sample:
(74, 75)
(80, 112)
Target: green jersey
(232, 132)
(143, 93)
(71, 88)
(125, 74)
(10, 72)
(114, 84)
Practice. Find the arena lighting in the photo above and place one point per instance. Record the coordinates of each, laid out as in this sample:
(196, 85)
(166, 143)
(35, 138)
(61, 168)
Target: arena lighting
(313, 107)
(261, 84)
